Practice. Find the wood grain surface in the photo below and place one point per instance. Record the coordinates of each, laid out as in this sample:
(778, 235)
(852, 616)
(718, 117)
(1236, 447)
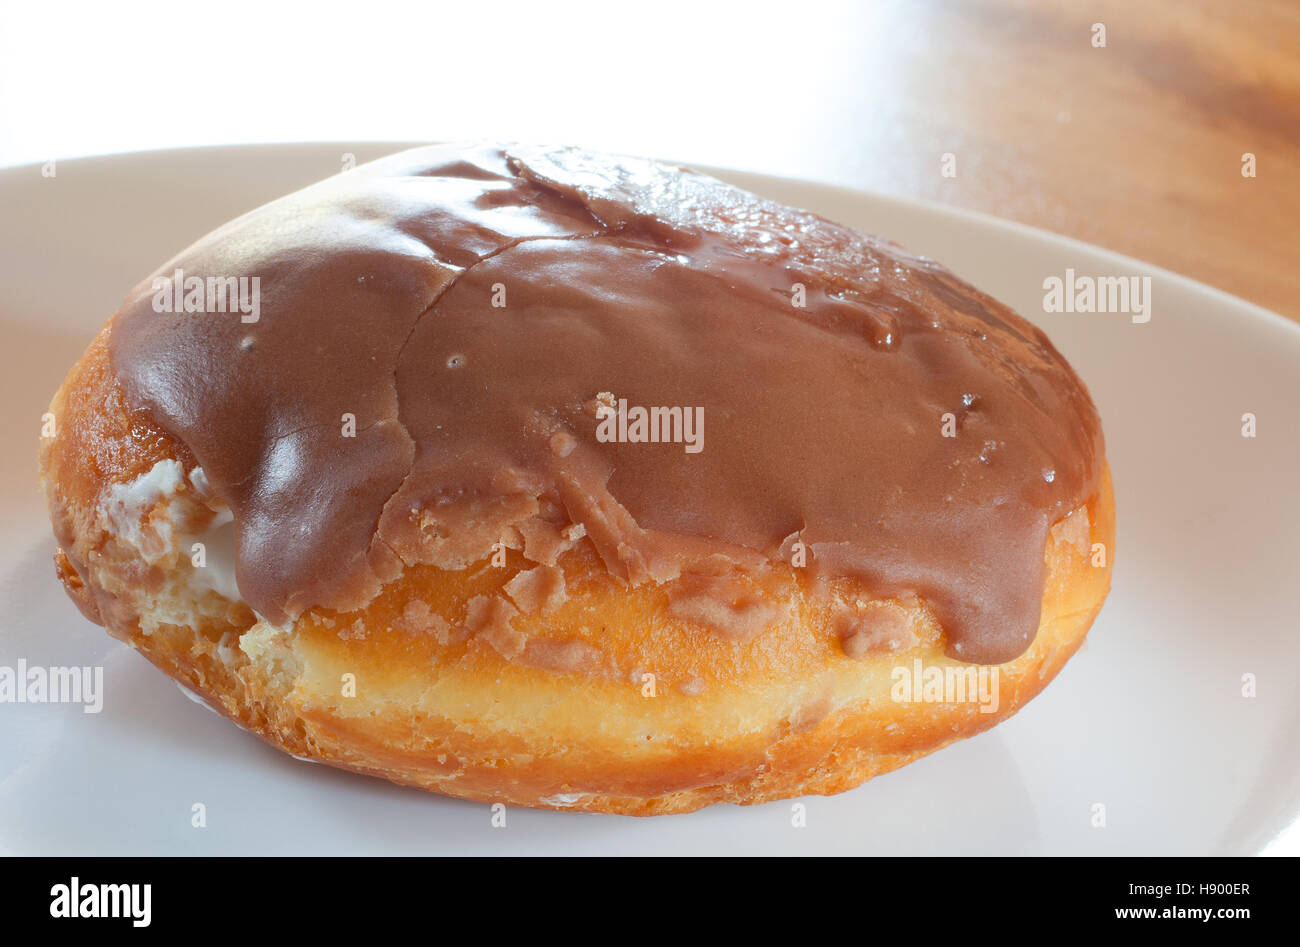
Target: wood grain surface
(1137, 146)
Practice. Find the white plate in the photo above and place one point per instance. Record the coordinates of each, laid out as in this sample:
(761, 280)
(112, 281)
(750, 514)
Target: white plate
(1148, 720)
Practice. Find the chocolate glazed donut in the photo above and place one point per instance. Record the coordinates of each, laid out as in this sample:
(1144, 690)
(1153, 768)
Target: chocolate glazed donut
(559, 479)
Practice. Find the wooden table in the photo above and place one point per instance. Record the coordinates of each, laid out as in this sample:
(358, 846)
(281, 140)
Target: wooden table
(1137, 146)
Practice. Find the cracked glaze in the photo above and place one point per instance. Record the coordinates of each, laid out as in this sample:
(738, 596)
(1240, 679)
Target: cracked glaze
(660, 286)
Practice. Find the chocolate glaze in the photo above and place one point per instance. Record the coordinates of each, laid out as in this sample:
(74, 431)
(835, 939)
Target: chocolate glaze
(476, 423)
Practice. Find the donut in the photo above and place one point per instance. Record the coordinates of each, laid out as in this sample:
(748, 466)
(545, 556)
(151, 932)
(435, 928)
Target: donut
(565, 480)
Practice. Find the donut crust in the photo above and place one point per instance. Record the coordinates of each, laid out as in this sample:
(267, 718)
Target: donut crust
(607, 704)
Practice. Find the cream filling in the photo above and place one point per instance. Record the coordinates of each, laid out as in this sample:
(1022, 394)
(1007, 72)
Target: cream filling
(218, 570)
(127, 510)
(153, 517)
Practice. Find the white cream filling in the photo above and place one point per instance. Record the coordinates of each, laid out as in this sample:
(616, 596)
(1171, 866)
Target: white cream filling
(218, 570)
(564, 799)
(150, 516)
(123, 509)
(196, 698)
